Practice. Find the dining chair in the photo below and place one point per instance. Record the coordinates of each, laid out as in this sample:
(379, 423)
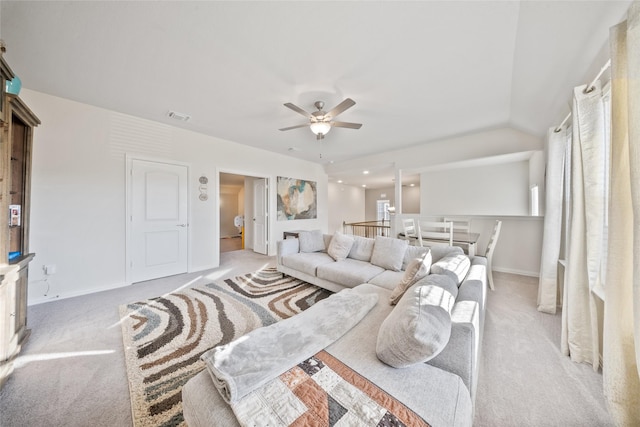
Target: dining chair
(491, 246)
(410, 230)
(460, 225)
(438, 232)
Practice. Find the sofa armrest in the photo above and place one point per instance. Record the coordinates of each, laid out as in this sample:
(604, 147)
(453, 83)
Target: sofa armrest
(287, 247)
(460, 356)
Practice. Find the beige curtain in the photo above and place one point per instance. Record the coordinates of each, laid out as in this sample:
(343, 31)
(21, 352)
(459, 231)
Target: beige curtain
(621, 335)
(580, 339)
(552, 231)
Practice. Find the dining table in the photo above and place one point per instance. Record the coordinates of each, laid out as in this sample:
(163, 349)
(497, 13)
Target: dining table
(462, 238)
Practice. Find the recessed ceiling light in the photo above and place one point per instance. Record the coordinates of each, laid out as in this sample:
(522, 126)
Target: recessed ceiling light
(364, 185)
(365, 172)
(412, 185)
(339, 181)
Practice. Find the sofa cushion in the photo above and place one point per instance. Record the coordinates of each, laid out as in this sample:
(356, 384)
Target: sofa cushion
(349, 272)
(388, 253)
(411, 253)
(418, 328)
(455, 266)
(311, 241)
(418, 268)
(307, 262)
(387, 279)
(340, 246)
(440, 251)
(441, 280)
(362, 248)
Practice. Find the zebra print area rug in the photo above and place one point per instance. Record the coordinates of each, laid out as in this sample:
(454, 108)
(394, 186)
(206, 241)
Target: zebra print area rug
(165, 336)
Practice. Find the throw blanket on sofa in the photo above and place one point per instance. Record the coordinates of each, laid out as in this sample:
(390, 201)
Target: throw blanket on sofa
(322, 391)
(258, 357)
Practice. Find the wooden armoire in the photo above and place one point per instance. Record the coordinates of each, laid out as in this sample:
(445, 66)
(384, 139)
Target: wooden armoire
(17, 122)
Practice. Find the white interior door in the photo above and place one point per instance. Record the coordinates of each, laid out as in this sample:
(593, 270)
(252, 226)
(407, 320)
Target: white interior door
(158, 217)
(260, 223)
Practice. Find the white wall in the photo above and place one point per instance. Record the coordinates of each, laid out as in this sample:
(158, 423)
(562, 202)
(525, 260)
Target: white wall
(410, 200)
(78, 191)
(520, 245)
(499, 189)
(346, 204)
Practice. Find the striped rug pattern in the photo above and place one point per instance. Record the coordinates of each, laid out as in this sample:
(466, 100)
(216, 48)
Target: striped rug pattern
(165, 336)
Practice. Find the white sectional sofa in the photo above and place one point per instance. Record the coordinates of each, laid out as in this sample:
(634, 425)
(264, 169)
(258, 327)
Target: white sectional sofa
(423, 353)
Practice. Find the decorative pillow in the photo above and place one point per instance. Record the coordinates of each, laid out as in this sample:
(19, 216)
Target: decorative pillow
(413, 252)
(388, 253)
(362, 248)
(455, 266)
(418, 329)
(340, 246)
(311, 241)
(416, 270)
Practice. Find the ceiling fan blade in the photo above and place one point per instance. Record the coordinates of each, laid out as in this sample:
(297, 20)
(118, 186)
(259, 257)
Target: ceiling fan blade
(296, 126)
(347, 103)
(298, 110)
(346, 125)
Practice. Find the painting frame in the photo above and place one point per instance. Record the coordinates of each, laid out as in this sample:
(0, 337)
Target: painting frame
(296, 199)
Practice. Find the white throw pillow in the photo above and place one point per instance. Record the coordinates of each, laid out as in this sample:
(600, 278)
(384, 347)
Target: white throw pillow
(416, 270)
(311, 241)
(340, 246)
(388, 253)
(418, 328)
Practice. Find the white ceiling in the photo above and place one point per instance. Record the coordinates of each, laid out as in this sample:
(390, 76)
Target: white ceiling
(419, 71)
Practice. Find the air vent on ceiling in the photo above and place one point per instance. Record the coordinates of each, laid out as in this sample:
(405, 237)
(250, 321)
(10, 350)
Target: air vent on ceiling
(179, 116)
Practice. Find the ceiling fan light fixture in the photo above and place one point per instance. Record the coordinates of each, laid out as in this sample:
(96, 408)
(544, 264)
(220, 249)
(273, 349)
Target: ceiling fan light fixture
(320, 128)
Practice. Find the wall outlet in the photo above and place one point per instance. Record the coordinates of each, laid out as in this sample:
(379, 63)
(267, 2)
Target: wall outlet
(49, 269)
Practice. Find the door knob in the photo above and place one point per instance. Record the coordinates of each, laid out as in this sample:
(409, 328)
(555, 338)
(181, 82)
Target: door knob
(181, 225)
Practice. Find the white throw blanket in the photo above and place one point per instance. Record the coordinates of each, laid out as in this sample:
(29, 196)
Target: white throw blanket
(263, 354)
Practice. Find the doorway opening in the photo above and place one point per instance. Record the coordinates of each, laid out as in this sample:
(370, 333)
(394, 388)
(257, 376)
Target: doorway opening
(238, 218)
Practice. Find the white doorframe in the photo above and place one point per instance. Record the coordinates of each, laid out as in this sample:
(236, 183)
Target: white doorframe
(270, 204)
(129, 158)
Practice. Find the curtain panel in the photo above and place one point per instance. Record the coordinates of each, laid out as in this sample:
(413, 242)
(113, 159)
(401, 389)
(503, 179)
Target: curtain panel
(621, 335)
(580, 332)
(552, 231)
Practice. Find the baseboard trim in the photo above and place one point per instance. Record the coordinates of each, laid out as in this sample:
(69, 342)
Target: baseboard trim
(516, 271)
(57, 297)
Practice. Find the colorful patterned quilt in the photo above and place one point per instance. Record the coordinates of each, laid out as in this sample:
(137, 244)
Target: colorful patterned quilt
(322, 391)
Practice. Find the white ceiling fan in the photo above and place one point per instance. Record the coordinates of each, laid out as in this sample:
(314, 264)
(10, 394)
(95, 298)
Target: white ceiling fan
(321, 122)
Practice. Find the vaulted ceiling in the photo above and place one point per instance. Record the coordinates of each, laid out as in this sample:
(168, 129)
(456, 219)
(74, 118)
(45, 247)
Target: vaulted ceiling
(419, 71)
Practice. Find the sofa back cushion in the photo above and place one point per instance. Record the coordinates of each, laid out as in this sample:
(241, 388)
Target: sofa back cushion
(388, 253)
(362, 248)
(418, 328)
(340, 246)
(456, 266)
(311, 241)
(441, 251)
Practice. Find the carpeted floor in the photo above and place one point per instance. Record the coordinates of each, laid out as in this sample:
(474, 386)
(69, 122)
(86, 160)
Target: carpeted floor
(72, 371)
